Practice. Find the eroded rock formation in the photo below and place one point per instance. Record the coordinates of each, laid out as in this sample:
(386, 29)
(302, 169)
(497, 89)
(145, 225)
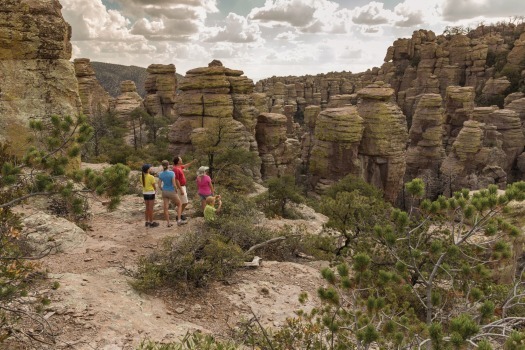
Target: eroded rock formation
(36, 77)
(367, 140)
(95, 100)
(216, 97)
(279, 154)
(161, 86)
(383, 148)
(425, 151)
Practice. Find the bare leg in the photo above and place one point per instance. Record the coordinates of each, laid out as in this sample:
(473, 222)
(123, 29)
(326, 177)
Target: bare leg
(178, 203)
(166, 203)
(149, 210)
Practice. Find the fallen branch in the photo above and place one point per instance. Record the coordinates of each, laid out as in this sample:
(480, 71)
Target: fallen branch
(268, 242)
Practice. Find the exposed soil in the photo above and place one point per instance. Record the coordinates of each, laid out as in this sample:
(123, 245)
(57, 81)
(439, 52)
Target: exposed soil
(96, 308)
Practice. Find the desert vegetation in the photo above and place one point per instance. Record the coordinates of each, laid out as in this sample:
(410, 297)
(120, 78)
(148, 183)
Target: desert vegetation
(437, 276)
(50, 168)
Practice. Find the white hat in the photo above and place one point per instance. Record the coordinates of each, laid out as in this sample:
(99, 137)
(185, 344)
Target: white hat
(202, 170)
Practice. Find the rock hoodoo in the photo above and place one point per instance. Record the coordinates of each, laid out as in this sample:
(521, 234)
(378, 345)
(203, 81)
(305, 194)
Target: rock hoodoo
(383, 148)
(161, 86)
(279, 154)
(425, 151)
(215, 97)
(95, 100)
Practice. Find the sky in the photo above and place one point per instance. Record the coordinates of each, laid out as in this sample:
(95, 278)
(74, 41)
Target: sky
(264, 38)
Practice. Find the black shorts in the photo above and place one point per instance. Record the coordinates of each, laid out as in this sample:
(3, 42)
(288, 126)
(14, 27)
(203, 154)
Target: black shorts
(149, 197)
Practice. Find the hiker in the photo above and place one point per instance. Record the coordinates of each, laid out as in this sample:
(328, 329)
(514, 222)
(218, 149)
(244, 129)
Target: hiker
(148, 191)
(210, 211)
(168, 183)
(178, 169)
(204, 185)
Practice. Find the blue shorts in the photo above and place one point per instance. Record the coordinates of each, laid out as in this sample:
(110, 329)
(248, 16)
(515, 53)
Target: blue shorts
(204, 196)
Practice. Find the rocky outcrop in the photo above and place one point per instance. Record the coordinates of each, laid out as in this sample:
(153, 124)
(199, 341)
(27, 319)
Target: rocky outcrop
(383, 148)
(36, 77)
(476, 159)
(215, 97)
(95, 100)
(160, 86)
(508, 124)
(334, 154)
(518, 106)
(128, 100)
(425, 151)
(489, 59)
(279, 154)
(459, 105)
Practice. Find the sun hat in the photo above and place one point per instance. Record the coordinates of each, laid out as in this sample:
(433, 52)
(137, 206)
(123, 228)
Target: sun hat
(145, 168)
(202, 170)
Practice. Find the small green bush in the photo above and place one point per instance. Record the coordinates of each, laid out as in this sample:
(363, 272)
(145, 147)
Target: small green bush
(191, 341)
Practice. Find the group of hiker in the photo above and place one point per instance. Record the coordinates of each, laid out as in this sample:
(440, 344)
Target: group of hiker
(172, 184)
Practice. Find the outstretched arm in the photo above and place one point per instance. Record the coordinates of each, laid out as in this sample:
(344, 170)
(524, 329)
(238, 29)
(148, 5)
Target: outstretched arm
(189, 163)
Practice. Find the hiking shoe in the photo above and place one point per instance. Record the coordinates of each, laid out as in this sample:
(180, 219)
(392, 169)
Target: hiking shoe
(169, 225)
(154, 224)
(147, 224)
(183, 217)
(182, 222)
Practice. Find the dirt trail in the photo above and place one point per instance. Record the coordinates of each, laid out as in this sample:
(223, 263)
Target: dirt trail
(96, 308)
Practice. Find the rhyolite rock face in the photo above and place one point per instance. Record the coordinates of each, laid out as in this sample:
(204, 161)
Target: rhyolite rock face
(279, 154)
(212, 96)
(95, 100)
(476, 159)
(161, 86)
(382, 150)
(367, 140)
(335, 145)
(36, 78)
(425, 151)
(128, 100)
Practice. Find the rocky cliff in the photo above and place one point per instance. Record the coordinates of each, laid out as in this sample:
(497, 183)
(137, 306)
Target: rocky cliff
(36, 77)
(161, 85)
(216, 100)
(95, 100)
(444, 85)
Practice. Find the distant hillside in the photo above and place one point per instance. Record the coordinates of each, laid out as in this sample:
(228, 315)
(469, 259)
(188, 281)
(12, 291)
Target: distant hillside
(110, 75)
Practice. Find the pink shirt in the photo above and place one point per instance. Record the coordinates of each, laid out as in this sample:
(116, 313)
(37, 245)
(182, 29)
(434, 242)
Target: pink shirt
(204, 185)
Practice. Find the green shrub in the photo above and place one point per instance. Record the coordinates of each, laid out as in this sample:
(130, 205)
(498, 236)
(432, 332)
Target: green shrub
(282, 191)
(191, 341)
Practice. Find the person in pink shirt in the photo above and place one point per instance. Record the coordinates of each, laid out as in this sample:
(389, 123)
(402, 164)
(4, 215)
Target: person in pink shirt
(204, 185)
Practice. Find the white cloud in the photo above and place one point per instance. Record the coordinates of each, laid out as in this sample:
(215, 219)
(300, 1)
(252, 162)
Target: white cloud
(454, 10)
(237, 29)
(416, 13)
(166, 29)
(308, 16)
(287, 36)
(139, 8)
(350, 53)
(372, 14)
(92, 21)
(296, 13)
